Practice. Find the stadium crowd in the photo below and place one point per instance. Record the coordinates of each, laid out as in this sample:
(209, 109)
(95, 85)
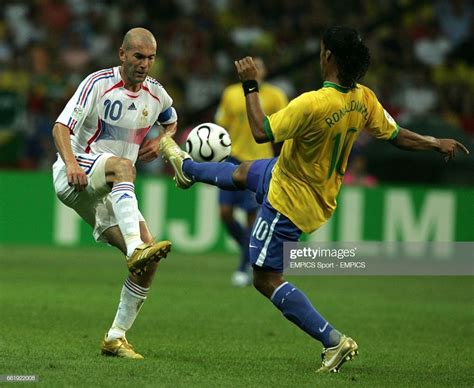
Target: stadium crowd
(422, 56)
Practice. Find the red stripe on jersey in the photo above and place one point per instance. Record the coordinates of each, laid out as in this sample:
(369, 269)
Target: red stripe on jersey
(151, 94)
(117, 85)
(140, 134)
(94, 136)
(70, 125)
(90, 83)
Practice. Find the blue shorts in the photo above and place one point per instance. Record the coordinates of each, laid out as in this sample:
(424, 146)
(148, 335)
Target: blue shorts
(271, 228)
(243, 199)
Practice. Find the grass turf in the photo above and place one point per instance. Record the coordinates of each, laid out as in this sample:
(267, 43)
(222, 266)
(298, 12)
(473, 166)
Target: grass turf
(196, 330)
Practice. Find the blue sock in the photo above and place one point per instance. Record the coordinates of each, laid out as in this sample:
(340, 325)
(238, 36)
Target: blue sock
(297, 308)
(216, 174)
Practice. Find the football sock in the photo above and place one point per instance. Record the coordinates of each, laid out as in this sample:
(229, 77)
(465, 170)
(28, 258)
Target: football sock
(216, 174)
(125, 205)
(253, 177)
(131, 300)
(297, 308)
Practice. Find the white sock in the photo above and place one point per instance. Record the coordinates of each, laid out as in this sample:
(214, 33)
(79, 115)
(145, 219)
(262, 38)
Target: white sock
(125, 205)
(131, 300)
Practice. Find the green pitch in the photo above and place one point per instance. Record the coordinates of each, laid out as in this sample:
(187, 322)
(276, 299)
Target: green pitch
(195, 330)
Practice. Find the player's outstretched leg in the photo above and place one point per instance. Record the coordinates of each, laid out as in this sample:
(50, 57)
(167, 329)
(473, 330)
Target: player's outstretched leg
(223, 175)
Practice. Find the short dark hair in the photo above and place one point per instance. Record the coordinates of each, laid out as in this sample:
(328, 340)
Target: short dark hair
(351, 54)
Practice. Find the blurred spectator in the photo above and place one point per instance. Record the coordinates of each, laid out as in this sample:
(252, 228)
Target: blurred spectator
(433, 48)
(203, 85)
(417, 95)
(48, 45)
(455, 18)
(55, 15)
(75, 54)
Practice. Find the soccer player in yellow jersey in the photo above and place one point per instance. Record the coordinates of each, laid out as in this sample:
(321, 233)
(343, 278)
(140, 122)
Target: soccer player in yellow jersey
(298, 189)
(232, 115)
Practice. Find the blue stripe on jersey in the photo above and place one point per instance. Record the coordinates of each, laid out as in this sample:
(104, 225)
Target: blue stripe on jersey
(92, 87)
(101, 74)
(165, 115)
(69, 123)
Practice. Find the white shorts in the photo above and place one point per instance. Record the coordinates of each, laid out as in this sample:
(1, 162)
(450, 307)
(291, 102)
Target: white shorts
(94, 203)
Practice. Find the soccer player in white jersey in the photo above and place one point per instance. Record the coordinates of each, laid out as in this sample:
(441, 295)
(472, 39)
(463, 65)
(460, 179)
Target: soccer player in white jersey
(99, 136)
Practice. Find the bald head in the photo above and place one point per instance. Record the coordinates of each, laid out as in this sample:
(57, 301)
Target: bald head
(137, 55)
(138, 37)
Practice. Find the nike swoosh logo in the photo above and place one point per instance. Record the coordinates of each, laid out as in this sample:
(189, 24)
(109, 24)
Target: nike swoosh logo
(252, 246)
(324, 328)
(252, 89)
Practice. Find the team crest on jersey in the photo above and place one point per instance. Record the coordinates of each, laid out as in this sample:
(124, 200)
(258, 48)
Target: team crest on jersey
(143, 117)
(77, 112)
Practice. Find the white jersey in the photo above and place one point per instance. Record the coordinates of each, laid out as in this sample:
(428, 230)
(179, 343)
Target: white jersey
(103, 116)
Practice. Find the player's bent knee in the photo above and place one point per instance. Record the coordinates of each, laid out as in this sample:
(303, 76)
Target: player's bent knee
(262, 284)
(266, 282)
(121, 169)
(240, 174)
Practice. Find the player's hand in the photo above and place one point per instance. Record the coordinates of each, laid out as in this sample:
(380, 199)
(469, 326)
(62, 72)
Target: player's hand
(246, 69)
(76, 177)
(449, 147)
(149, 150)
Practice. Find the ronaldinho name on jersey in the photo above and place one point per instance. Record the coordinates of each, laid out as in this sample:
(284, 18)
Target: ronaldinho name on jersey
(352, 106)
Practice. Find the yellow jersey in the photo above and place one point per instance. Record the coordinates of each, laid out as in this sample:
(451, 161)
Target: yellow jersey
(232, 115)
(319, 129)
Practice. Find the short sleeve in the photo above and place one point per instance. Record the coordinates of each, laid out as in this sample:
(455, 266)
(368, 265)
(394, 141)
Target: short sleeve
(168, 116)
(81, 103)
(380, 123)
(167, 101)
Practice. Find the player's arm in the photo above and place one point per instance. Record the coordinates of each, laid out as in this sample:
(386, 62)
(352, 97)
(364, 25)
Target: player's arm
(413, 141)
(248, 74)
(383, 126)
(75, 174)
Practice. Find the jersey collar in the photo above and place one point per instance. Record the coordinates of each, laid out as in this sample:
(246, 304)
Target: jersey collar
(339, 88)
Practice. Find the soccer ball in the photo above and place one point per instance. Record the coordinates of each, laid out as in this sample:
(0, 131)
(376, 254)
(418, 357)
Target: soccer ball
(208, 142)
